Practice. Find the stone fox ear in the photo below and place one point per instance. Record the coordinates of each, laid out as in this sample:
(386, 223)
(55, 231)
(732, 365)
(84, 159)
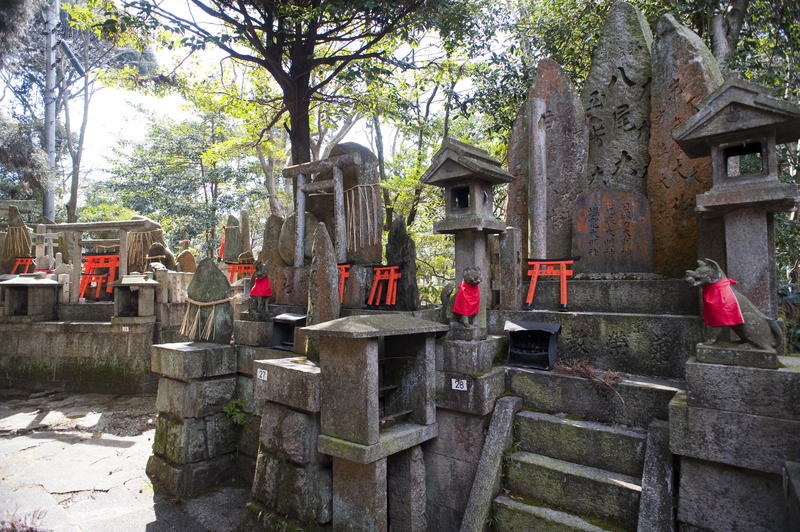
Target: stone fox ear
(714, 265)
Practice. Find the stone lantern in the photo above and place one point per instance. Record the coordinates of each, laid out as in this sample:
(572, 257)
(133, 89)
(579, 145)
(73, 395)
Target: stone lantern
(468, 175)
(740, 123)
(134, 298)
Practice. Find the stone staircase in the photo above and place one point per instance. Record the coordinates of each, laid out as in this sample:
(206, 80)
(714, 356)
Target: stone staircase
(568, 473)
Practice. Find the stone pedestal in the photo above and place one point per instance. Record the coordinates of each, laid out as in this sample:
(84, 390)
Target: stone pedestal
(195, 442)
(471, 251)
(734, 429)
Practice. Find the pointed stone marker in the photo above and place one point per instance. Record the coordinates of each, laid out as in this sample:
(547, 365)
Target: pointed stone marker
(684, 72)
(209, 288)
(616, 98)
(233, 240)
(323, 284)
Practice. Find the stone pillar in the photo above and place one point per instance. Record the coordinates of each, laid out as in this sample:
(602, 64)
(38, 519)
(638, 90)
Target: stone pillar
(748, 235)
(471, 251)
(340, 228)
(511, 269)
(194, 447)
(359, 496)
(300, 221)
(537, 193)
(406, 490)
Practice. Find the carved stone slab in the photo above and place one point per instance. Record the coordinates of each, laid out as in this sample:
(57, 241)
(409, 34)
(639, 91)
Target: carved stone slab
(517, 198)
(611, 233)
(684, 73)
(616, 98)
(558, 150)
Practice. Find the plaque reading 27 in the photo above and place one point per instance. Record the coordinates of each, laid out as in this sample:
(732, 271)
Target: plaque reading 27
(261, 374)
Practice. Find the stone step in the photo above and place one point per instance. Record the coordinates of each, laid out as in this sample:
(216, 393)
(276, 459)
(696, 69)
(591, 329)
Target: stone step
(655, 345)
(595, 494)
(641, 296)
(516, 516)
(633, 402)
(613, 448)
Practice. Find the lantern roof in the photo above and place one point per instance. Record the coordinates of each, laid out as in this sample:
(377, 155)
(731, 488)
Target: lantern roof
(457, 161)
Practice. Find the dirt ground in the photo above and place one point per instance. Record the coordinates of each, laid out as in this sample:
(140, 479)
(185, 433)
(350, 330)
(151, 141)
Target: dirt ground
(76, 462)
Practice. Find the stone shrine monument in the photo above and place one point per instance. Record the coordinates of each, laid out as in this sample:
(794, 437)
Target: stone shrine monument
(467, 175)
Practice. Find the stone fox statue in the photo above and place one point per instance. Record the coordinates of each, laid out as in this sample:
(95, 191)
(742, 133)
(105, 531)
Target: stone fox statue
(724, 306)
(466, 302)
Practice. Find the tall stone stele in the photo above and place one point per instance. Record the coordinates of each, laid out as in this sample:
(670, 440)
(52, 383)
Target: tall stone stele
(741, 121)
(467, 175)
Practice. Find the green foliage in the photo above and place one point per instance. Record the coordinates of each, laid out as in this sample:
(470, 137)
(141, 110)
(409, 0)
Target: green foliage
(235, 410)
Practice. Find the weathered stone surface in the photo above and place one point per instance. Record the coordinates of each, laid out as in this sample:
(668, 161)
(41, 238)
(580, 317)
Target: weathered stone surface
(736, 355)
(642, 399)
(658, 482)
(209, 284)
(510, 269)
(720, 497)
(479, 396)
(449, 481)
(473, 357)
(359, 496)
(186, 261)
(252, 333)
(406, 490)
(195, 399)
(517, 198)
(742, 440)
(192, 360)
(161, 254)
(245, 355)
(616, 98)
(611, 232)
(233, 240)
(286, 239)
(350, 387)
(191, 479)
(684, 72)
(608, 447)
(302, 493)
(401, 251)
(392, 440)
(610, 497)
(487, 477)
(641, 344)
(511, 515)
(557, 163)
(249, 438)
(765, 392)
(244, 228)
(293, 382)
(791, 486)
(289, 433)
(460, 435)
(269, 253)
(323, 283)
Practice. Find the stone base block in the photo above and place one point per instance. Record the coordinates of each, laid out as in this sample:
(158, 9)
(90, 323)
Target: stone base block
(720, 498)
(191, 479)
(461, 435)
(791, 491)
(356, 287)
(301, 493)
(290, 433)
(472, 357)
(359, 496)
(736, 355)
(194, 440)
(392, 440)
(466, 334)
(245, 355)
(192, 360)
(194, 399)
(765, 392)
(756, 442)
(472, 395)
(253, 333)
(406, 490)
(449, 481)
(294, 382)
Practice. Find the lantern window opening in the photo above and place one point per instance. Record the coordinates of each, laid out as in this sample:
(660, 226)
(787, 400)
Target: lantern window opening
(744, 159)
(460, 198)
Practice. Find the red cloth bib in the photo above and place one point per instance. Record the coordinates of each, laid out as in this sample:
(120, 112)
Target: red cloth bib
(719, 304)
(468, 299)
(261, 288)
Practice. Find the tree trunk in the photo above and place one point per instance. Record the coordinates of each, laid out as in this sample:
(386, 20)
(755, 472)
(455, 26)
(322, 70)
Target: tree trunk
(300, 130)
(387, 204)
(726, 28)
(276, 206)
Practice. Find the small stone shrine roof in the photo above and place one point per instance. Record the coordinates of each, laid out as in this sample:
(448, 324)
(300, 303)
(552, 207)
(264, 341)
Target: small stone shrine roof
(134, 280)
(29, 280)
(456, 161)
(375, 325)
(737, 109)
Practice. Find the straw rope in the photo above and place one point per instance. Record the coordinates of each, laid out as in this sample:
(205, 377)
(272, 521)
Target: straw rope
(191, 330)
(18, 242)
(362, 207)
